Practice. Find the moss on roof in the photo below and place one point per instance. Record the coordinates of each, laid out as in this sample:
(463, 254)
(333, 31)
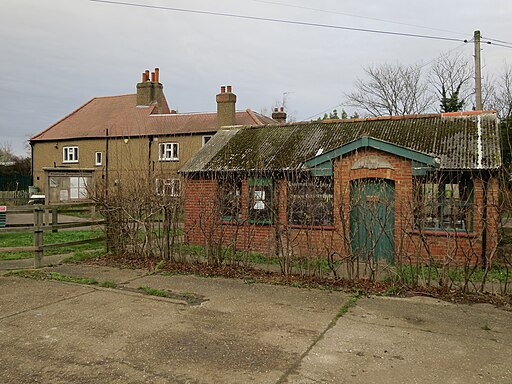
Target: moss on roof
(453, 139)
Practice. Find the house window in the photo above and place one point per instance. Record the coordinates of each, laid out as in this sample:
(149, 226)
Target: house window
(66, 187)
(168, 187)
(70, 154)
(261, 201)
(168, 152)
(443, 203)
(310, 201)
(206, 139)
(98, 158)
(230, 199)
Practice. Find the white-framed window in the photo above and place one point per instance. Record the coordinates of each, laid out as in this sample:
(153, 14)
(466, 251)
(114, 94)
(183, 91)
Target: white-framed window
(98, 158)
(168, 152)
(70, 154)
(206, 138)
(168, 187)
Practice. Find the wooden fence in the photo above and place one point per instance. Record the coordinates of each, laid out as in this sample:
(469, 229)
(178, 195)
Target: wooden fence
(42, 224)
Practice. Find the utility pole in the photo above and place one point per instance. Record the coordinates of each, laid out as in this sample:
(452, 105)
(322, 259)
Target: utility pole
(478, 72)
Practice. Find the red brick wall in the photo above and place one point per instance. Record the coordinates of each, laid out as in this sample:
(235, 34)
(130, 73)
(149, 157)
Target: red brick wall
(203, 224)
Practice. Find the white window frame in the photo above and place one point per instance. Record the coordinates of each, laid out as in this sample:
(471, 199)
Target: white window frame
(168, 187)
(206, 138)
(98, 158)
(168, 151)
(70, 154)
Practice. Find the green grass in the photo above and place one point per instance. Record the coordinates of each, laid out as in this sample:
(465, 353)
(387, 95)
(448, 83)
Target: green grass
(351, 303)
(495, 275)
(80, 256)
(26, 239)
(38, 274)
(154, 292)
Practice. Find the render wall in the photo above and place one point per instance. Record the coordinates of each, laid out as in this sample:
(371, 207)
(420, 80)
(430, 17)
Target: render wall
(131, 159)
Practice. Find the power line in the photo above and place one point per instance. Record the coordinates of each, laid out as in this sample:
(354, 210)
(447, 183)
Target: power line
(499, 41)
(282, 21)
(357, 16)
(500, 45)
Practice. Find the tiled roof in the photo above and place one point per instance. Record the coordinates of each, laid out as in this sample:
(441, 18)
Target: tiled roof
(460, 140)
(123, 118)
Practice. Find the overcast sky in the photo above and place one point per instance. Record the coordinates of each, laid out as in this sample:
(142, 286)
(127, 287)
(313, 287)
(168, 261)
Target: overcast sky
(58, 54)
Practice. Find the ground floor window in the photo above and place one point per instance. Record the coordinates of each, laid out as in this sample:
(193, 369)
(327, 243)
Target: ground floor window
(230, 198)
(168, 187)
(260, 201)
(443, 202)
(66, 188)
(310, 201)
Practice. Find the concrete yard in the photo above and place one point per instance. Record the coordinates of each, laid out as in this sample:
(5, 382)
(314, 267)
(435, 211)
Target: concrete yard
(215, 330)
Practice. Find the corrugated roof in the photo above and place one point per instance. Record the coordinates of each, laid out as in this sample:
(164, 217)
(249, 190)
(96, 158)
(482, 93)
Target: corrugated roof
(124, 118)
(461, 141)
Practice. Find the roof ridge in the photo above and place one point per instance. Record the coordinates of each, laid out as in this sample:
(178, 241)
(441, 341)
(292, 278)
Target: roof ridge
(64, 118)
(468, 113)
(253, 116)
(112, 96)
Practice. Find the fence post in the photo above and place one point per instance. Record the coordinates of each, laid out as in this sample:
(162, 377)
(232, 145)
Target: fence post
(38, 236)
(55, 219)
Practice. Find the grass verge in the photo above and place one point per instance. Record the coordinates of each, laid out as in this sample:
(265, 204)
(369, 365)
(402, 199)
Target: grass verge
(26, 239)
(44, 275)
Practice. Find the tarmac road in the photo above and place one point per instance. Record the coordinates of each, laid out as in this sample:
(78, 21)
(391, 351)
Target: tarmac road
(218, 330)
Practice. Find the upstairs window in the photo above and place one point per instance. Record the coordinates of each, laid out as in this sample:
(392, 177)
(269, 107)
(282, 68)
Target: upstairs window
(168, 152)
(310, 201)
(261, 201)
(168, 187)
(98, 158)
(230, 199)
(443, 203)
(70, 154)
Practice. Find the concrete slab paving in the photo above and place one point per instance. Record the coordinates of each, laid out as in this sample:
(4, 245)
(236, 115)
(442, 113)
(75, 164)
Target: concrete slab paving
(241, 333)
(413, 340)
(236, 332)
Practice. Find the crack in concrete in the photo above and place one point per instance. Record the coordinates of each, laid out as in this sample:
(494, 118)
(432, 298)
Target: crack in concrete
(332, 323)
(47, 304)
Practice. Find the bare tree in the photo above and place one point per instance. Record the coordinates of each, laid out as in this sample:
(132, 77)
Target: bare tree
(500, 94)
(392, 90)
(451, 76)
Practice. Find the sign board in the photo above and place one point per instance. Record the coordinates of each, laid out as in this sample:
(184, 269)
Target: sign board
(3, 208)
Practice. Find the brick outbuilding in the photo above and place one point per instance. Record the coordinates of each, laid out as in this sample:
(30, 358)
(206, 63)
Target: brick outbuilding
(419, 189)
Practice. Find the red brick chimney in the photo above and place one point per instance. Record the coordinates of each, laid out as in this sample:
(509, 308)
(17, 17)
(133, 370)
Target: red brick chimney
(150, 91)
(226, 102)
(279, 115)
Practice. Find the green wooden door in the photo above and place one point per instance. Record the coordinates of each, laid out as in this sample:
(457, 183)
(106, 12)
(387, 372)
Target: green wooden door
(372, 219)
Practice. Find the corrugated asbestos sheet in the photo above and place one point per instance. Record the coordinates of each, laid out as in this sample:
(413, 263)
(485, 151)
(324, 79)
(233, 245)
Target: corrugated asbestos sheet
(467, 141)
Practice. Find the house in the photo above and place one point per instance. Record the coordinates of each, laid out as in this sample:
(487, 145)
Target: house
(119, 139)
(402, 188)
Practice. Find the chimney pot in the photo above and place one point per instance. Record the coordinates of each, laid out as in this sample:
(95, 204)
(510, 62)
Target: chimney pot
(223, 89)
(157, 74)
(229, 89)
(147, 74)
(279, 115)
(152, 77)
